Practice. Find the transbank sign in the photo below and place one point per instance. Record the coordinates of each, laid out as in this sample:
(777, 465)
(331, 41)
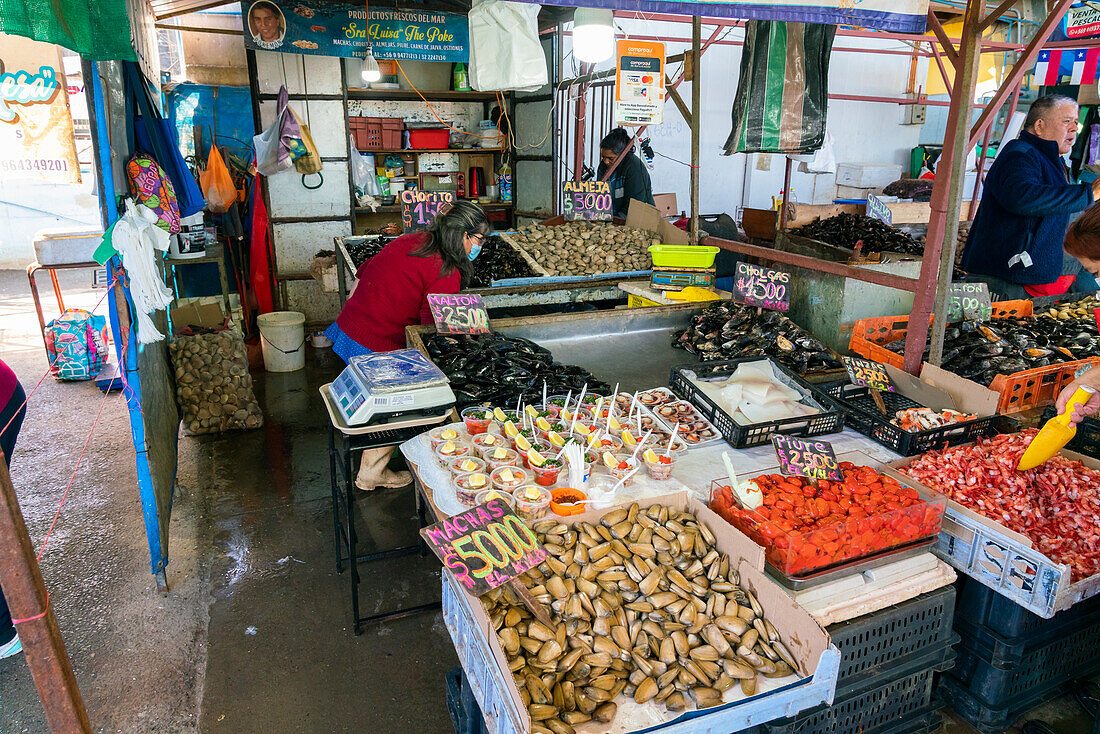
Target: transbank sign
(25, 88)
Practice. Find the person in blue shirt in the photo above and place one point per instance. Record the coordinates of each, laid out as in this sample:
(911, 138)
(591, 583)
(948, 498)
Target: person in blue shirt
(1016, 241)
(630, 179)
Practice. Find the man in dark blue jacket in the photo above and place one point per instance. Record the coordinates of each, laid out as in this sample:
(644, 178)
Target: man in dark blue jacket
(1015, 244)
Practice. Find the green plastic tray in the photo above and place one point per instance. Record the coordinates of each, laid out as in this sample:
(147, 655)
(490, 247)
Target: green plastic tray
(683, 256)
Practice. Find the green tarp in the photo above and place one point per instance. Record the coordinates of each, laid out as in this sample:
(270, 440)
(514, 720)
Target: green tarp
(98, 30)
(783, 93)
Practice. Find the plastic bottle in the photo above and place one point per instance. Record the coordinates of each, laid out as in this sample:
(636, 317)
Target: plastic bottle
(461, 78)
(504, 178)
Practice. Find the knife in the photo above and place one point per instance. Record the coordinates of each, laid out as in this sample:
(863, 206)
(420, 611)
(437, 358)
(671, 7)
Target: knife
(1057, 432)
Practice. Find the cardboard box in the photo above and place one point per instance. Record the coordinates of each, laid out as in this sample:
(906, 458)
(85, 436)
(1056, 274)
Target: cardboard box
(939, 389)
(806, 639)
(666, 204)
(206, 312)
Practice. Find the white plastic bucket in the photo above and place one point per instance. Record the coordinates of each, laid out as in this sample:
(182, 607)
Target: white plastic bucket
(283, 339)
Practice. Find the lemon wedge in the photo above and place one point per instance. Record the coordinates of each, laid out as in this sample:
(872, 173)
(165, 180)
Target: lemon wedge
(448, 448)
(530, 410)
(613, 423)
(499, 414)
(449, 434)
(650, 456)
(478, 480)
(628, 438)
(566, 414)
(555, 438)
(468, 465)
(542, 423)
(582, 429)
(489, 439)
(610, 461)
(522, 443)
(510, 429)
(535, 457)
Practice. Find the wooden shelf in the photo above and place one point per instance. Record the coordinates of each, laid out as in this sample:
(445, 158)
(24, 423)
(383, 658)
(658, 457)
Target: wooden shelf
(396, 208)
(411, 94)
(418, 151)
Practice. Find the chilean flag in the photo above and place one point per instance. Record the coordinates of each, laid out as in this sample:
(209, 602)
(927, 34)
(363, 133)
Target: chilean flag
(1046, 68)
(1084, 65)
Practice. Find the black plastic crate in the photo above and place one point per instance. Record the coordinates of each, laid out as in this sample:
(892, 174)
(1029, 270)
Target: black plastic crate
(980, 606)
(1007, 653)
(897, 701)
(465, 714)
(1046, 669)
(986, 719)
(862, 414)
(1087, 439)
(829, 420)
(872, 645)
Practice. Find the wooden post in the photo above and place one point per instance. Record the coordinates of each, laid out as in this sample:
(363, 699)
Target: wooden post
(27, 599)
(696, 103)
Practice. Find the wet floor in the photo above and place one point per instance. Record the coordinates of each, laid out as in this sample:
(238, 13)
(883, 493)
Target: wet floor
(255, 632)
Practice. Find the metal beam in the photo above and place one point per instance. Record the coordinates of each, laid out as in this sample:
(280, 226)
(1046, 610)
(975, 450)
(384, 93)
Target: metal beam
(943, 70)
(28, 600)
(199, 29)
(1022, 66)
(938, 263)
(812, 263)
(945, 42)
(996, 14)
(696, 116)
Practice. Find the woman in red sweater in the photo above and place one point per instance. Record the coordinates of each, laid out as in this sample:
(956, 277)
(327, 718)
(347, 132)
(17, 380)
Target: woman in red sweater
(392, 294)
(13, 407)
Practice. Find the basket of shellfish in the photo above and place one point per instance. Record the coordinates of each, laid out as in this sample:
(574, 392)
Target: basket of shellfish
(661, 614)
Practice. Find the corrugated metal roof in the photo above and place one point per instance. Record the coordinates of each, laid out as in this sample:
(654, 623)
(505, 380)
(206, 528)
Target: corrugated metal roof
(171, 8)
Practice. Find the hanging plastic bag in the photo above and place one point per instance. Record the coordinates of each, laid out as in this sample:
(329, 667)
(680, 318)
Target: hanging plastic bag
(309, 160)
(217, 184)
(362, 173)
(821, 161)
(278, 145)
(505, 51)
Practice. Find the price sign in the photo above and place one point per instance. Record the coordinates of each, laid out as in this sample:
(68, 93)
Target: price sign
(762, 287)
(586, 200)
(458, 313)
(868, 374)
(419, 208)
(485, 546)
(813, 459)
(877, 209)
(969, 301)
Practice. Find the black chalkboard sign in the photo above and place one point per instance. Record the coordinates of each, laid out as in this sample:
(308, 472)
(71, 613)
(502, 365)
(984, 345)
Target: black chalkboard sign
(458, 313)
(485, 546)
(969, 301)
(586, 200)
(419, 208)
(865, 373)
(813, 459)
(762, 287)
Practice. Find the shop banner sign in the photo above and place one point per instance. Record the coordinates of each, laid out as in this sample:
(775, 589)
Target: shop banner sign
(639, 83)
(343, 29)
(900, 16)
(1082, 20)
(36, 128)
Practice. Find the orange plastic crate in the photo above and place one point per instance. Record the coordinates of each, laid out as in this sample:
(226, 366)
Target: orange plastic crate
(1032, 388)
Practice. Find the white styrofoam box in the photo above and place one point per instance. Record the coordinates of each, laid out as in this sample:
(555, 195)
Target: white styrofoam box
(303, 74)
(326, 123)
(289, 198)
(867, 175)
(306, 296)
(63, 246)
(851, 192)
(297, 242)
(439, 163)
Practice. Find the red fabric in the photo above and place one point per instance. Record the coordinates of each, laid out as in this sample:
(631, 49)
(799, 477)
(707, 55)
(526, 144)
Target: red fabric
(1056, 288)
(8, 381)
(262, 278)
(392, 294)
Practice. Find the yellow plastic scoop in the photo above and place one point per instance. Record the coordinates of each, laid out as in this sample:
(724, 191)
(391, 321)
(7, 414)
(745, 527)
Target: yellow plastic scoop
(692, 293)
(1055, 434)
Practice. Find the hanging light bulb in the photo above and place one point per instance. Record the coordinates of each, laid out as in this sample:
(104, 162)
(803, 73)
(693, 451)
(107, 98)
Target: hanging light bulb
(593, 34)
(371, 72)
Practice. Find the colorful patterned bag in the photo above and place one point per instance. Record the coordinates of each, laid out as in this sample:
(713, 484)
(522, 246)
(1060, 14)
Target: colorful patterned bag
(76, 344)
(151, 186)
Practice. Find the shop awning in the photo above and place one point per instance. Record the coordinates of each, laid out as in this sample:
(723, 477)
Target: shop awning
(898, 16)
(171, 8)
(78, 26)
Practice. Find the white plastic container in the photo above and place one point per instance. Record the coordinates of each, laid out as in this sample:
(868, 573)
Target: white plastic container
(283, 339)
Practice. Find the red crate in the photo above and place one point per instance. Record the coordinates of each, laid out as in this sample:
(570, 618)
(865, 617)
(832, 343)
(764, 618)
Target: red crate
(431, 137)
(379, 133)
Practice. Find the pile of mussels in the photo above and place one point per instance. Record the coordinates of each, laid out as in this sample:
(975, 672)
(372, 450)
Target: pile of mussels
(731, 331)
(982, 350)
(846, 229)
(489, 368)
(497, 259)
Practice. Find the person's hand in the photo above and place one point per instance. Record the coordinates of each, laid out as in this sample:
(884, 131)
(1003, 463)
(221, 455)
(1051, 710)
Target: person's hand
(1089, 379)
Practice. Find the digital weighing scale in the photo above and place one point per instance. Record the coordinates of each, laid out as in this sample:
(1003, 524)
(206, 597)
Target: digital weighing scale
(384, 387)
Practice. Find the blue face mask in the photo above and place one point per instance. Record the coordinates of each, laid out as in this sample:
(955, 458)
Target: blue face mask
(474, 251)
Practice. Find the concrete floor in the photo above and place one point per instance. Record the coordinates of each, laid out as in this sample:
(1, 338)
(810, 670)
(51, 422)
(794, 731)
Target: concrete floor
(254, 634)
